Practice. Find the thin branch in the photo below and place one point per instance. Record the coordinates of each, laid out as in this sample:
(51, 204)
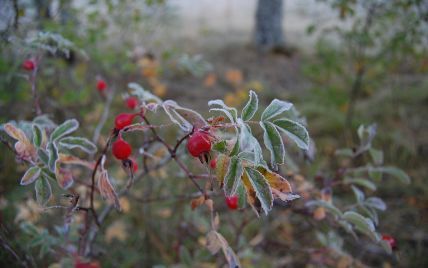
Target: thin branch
(172, 151)
(104, 116)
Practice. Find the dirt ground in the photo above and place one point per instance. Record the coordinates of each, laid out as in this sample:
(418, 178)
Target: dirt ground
(280, 75)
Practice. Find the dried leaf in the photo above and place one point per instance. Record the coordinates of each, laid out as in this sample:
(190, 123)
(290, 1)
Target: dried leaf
(221, 167)
(275, 180)
(15, 133)
(286, 197)
(210, 80)
(234, 76)
(73, 160)
(251, 194)
(210, 204)
(63, 176)
(24, 148)
(125, 204)
(117, 230)
(106, 189)
(196, 202)
(214, 242)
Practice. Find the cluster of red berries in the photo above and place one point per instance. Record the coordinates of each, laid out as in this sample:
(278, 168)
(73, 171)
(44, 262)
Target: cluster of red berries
(199, 145)
(121, 149)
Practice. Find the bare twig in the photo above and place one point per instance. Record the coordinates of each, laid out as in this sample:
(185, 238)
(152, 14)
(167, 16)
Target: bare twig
(173, 151)
(104, 116)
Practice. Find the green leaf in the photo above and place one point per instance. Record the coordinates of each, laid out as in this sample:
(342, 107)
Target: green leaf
(344, 152)
(359, 195)
(376, 202)
(37, 135)
(249, 145)
(78, 142)
(242, 195)
(375, 174)
(220, 147)
(230, 112)
(251, 107)
(361, 223)
(43, 156)
(329, 206)
(233, 175)
(143, 94)
(295, 131)
(377, 156)
(396, 172)
(64, 129)
(30, 175)
(275, 108)
(186, 119)
(262, 189)
(235, 149)
(361, 182)
(43, 191)
(273, 143)
(53, 155)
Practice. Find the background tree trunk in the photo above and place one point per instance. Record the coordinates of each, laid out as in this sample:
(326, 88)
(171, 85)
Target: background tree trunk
(268, 31)
(8, 16)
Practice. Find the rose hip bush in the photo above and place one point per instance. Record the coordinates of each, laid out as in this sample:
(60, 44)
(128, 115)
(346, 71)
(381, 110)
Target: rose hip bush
(243, 158)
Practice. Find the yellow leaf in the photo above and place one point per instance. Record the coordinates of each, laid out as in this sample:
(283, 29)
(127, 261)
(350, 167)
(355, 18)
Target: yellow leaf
(116, 230)
(276, 181)
(210, 80)
(15, 133)
(125, 204)
(255, 85)
(221, 167)
(234, 76)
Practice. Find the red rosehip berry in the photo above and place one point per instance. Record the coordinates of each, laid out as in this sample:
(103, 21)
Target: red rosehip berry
(390, 240)
(101, 85)
(199, 143)
(123, 120)
(213, 163)
(134, 165)
(232, 202)
(121, 149)
(79, 264)
(132, 102)
(29, 65)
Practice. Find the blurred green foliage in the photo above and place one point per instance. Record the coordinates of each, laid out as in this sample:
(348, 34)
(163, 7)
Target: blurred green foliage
(386, 38)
